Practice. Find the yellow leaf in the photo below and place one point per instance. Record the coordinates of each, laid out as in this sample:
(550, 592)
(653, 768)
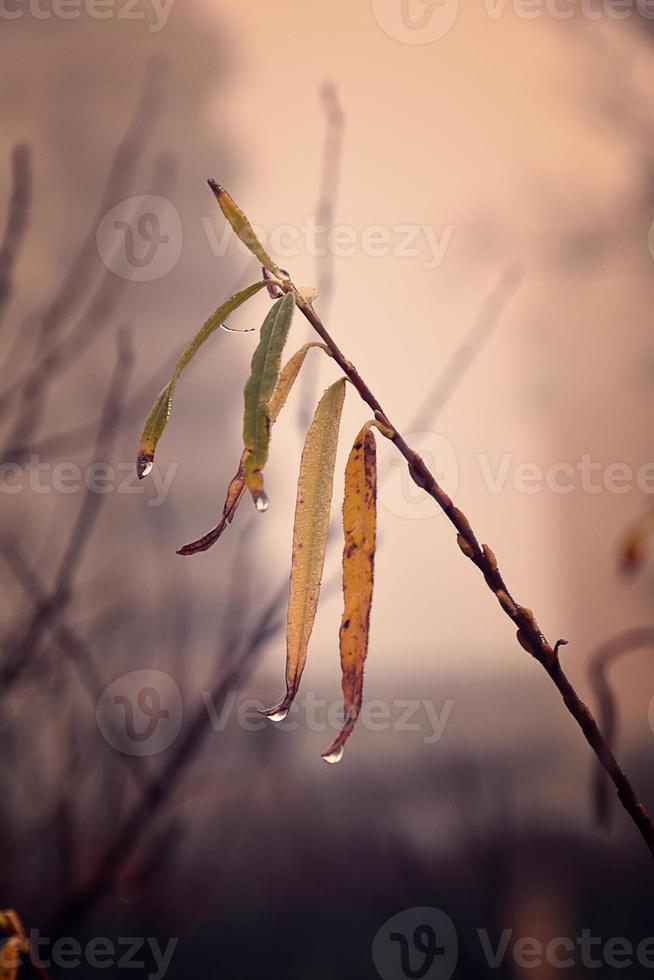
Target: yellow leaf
(314, 497)
(360, 528)
(242, 227)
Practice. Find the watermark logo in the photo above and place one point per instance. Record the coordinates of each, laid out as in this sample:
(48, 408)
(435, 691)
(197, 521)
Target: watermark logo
(42, 477)
(417, 944)
(141, 712)
(421, 242)
(153, 12)
(416, 21)
(397, 491)
(141, 238)
(143, 953)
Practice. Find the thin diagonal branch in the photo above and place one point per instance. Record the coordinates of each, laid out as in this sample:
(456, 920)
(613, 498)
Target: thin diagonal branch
(529, 633)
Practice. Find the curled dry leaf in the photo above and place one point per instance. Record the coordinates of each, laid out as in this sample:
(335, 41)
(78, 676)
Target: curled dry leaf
(236, 488)
(314, 497)
(360, 530)
(235, 492)
(259, 389)
(158, 418)
(242, 227)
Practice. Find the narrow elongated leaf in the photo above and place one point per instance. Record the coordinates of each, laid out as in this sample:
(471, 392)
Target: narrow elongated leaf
(266, 362)
(235, 492)
(242, 227)
(314, 497)
(236, 488)
(288, 375)
(360, 528)
(160, 412)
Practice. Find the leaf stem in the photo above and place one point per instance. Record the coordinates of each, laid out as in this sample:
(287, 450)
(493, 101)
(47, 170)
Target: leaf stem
(529, 634)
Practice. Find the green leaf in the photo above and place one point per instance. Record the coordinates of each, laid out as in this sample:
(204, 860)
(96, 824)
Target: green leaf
(264, 373)
(236, 487)
(160, 412)
(314, 497)
(243, 228)
(360, 529)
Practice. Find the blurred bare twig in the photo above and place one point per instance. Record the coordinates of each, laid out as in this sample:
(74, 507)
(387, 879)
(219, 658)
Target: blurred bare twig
(325, 210)
(47, 610)
(608, 654)
(471, 345)
(17, 220)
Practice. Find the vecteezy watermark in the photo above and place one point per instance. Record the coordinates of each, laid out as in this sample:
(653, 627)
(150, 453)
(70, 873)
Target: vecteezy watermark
(68, 478)
(401, 241)
(318, 715)
(399, 494)
(140, 713)
(564, 10)
(419, 942)
(154, 12)
(423, 942)
(426, 21)
(145, 954)
(141, 238)
(416, 21)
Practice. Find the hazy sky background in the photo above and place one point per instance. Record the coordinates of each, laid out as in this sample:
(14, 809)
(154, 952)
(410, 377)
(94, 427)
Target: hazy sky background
(512, 141)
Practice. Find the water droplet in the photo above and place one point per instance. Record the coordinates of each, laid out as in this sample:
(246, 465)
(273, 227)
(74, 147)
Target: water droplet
(279, 715)
(144, 464)
(262, 503)
(335, 756)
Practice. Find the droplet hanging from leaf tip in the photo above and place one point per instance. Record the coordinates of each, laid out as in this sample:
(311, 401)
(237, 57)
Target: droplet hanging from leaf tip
(334, 757)
(261, 502)
(279, 715)
(144, 464)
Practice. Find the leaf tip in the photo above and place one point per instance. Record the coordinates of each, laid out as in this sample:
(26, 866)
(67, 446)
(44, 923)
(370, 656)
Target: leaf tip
(144, 464)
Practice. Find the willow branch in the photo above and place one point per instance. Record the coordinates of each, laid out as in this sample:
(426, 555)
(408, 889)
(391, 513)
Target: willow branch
(529, 634)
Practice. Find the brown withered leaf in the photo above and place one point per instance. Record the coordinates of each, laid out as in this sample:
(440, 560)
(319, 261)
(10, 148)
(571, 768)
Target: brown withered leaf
(360, 529)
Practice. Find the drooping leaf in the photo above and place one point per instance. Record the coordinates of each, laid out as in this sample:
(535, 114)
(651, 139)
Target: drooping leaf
(160, 412)
(314, 497)
(235, 492)
(236, 488)
(360, 529)
(264, 373)
(242, 227)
